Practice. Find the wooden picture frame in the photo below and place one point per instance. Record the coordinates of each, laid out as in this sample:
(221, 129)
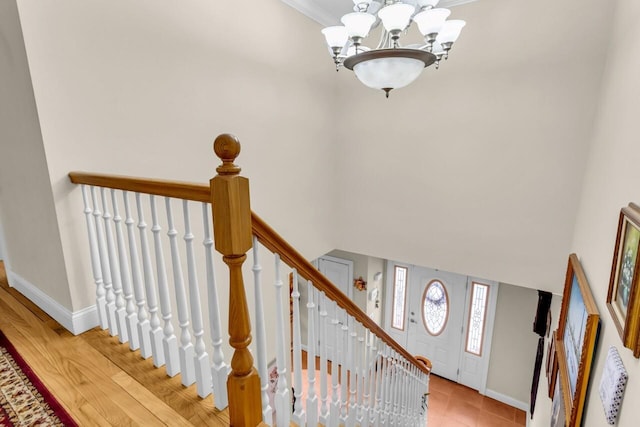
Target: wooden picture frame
(576, 338)
(622, 298)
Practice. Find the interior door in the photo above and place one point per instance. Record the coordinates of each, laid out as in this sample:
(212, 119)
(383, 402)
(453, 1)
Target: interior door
(340, 272)
(436, 314)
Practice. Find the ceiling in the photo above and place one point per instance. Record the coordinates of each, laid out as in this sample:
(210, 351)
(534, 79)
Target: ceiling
(329, 12)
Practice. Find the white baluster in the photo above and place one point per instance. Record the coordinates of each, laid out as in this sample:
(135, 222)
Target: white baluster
(261, 335)
(366, 381)
(407, 398)
(114, 263)
(144, 328)
(344, 369)
(379, 405)
(334, 414)
(187, 369)
(411, 395)
(427, 380)
(396, 394)
(169, 340)
(353, 372)
(131, 317)
(201, 357)
(384, 395)
(373, 379)
(219, 369)
(101, 302)
(403, 395)
(388, 381)
(106, 267)
(312, 398)
(150, 288)
(361, 373)
(282, 398)
(322, 329)
(298, 411)
(394, 388)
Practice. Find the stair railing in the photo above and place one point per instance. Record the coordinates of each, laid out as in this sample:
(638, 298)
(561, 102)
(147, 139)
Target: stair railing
(363, 377)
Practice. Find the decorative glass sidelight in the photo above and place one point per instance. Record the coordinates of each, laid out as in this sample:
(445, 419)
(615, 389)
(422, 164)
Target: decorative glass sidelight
(477, 318)
(399, 297)
(435, 307)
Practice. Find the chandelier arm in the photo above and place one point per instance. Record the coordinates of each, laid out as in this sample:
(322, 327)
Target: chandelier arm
(384, 40)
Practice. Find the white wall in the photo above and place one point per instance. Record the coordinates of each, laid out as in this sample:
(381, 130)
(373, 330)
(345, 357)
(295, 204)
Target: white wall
(513, 347)
(611, 182)
(27, 211)
(477, 167)
(142, 88)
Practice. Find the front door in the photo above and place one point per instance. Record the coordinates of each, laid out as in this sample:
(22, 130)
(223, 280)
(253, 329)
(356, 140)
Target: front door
(443, 316)
(436, 312)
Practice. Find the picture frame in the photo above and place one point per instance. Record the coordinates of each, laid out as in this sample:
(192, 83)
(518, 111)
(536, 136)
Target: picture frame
(622, 297)
(577, 334)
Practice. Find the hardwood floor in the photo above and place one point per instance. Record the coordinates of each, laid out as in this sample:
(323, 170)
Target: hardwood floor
(98, 380)
(102, 383)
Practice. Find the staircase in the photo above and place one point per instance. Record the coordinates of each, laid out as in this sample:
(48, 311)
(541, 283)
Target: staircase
(167, 308)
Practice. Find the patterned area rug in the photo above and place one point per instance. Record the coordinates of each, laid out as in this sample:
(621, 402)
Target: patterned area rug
(24, 400)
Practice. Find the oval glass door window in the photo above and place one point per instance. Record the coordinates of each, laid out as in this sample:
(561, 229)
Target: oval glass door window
(435, 307)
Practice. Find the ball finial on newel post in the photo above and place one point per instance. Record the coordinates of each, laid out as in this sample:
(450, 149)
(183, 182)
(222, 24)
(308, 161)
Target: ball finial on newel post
(227, 148)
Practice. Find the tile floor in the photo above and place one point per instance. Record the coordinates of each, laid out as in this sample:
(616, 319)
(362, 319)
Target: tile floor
(454, 405)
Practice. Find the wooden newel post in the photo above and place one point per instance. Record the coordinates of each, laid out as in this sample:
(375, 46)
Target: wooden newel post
(233, 238)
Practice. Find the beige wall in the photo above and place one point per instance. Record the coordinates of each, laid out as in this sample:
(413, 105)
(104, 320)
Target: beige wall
(142, 88)
(611, 182)
(477, 167)
(513, 348)
(27, 210)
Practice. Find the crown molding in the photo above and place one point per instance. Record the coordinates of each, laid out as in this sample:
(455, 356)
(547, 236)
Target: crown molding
(329, 12)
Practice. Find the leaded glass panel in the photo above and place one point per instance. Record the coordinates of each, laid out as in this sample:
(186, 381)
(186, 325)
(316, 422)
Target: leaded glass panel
(399, 297)
(435, 307)
(477, 317)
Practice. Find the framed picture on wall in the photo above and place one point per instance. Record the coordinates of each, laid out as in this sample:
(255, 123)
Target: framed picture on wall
(577, 333)
(622, 297)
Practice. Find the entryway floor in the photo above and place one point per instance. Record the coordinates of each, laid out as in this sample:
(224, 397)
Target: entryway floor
(454, 405)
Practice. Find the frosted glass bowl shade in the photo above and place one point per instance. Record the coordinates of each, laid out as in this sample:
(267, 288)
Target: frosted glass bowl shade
(389, 68)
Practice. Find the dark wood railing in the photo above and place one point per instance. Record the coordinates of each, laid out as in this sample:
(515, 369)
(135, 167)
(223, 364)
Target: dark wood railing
(233, 227)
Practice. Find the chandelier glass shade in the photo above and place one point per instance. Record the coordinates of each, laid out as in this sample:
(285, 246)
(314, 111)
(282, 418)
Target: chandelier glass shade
(389, 65)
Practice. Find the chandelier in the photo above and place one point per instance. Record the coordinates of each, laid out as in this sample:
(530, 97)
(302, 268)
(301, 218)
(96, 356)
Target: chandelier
(389, 65)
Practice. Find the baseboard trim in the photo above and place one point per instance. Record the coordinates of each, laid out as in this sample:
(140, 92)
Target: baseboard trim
(75, 322)
(508, 400)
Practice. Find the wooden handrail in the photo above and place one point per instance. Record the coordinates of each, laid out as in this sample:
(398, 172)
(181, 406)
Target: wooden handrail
(265, 234)
(157, 187)
(277, 244)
